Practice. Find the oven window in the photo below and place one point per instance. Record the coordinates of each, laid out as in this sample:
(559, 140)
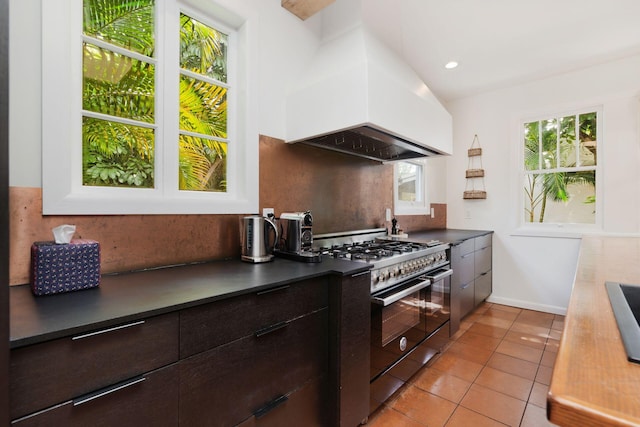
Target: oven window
(399, 317)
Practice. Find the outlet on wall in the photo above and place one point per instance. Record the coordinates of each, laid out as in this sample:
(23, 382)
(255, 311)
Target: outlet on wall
(267, 211)
(433, 213)
(387, 214)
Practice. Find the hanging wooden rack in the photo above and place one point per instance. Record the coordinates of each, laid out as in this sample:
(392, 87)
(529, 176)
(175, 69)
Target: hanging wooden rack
(475, 172)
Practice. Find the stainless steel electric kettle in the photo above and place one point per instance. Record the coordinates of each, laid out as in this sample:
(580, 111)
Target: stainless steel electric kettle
(254, 235)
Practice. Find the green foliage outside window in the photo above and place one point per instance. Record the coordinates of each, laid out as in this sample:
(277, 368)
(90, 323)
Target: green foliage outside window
(558, 164)
(119, 90)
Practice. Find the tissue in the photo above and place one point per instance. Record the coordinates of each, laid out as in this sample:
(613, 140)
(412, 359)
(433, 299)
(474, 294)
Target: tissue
(63, 233)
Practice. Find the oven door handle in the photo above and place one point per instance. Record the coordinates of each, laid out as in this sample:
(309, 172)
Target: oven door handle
(441, 275)
(401, 294)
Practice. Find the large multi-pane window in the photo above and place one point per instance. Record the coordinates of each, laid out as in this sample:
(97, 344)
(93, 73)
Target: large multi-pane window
(120, 124)
(140, 111)
(560, 165)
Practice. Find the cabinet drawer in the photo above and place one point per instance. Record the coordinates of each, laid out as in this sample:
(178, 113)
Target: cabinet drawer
(483, 241)
(211, 325)
(304, 405)
(149, 400)
(482, 261)
(482, 287)
(227, 384)
(465, 268)
(46, 374)
(466, 246)
(467, 298)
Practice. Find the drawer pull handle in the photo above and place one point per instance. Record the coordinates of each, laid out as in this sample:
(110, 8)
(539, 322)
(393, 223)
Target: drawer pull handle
(100, 393)
(484, 274)
(467, 255)
(268, 291)
(362, 273)
(104, 331)
(264, 331)
(465, 286)
(270, 406)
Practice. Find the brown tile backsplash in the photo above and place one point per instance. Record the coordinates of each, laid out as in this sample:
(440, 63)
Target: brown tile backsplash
(343, 193)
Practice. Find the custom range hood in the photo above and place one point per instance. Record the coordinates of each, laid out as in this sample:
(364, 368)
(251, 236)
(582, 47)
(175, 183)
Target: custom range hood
(358, 97)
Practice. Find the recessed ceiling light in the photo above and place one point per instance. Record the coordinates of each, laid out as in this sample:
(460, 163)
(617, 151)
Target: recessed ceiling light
(451, 65)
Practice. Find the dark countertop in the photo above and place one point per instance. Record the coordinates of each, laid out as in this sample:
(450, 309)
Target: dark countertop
(126, 297)
(448, 235)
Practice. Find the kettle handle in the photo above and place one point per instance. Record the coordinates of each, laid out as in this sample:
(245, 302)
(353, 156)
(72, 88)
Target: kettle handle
(275, 229)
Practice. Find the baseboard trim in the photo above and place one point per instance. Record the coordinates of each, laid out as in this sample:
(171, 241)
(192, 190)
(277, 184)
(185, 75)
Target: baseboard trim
(528, 305)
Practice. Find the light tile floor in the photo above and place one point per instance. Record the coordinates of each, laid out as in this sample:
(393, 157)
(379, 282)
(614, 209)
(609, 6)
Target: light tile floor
(495, 372)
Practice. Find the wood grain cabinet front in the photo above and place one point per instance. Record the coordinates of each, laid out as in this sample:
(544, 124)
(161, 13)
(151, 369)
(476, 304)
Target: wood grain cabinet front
(244, 378)
(483, 261)
(302, 407)
(471, 282)
(146, 400)
(210, 325)
(57, 371)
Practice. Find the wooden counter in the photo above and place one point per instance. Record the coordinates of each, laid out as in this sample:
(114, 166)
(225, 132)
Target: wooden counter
(593, 384)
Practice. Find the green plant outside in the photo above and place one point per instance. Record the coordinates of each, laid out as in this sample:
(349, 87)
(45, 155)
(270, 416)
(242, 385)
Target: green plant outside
(117, 85)
(551, 144)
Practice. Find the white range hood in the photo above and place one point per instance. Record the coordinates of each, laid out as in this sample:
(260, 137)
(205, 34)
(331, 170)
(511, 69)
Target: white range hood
(360, 98)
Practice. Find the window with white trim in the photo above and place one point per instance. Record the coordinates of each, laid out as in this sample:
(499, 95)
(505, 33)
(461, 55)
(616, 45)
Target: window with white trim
(409, 188)
(142, 107)
(561, 170)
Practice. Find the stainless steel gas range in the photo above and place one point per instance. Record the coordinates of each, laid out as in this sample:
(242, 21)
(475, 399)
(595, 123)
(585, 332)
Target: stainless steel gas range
(410, 302)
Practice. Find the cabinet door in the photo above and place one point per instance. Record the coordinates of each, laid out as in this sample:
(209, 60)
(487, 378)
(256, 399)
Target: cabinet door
(53, 372)
(227, 384)
(467, 298)
(462, 275)
(302, 407)
(218, 323)
(482, 241)
(466, 268)
(350, 340)
(148, 400)
(482, 260)
(482, 287)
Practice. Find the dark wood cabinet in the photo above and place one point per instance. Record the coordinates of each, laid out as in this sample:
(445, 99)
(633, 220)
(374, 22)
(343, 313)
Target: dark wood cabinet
(349, 343)
(298, 408)
(56, 371)
(482, 260)
(210, 325)
(471, 282)
(292, 353)
(232, 382)
(263, 350)
(147, 400)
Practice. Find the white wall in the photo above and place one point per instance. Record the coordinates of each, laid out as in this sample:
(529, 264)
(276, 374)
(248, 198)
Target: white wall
(538, 272)
(283, 42)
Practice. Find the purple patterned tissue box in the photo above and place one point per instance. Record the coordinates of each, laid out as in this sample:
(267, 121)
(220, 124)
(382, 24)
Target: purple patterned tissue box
(67, 267)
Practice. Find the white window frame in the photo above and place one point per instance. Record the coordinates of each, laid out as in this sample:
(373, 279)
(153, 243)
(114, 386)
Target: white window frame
(63, 192)
(526, 228)
(421, 205)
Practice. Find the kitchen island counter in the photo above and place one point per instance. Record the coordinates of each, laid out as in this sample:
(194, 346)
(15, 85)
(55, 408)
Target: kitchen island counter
(127, 297)
(593, 383)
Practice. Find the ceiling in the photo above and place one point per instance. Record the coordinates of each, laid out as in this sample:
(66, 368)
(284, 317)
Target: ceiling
(500, 43)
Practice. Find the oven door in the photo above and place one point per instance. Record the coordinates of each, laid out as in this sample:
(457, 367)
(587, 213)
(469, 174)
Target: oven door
(438, 299)
(397, 323)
